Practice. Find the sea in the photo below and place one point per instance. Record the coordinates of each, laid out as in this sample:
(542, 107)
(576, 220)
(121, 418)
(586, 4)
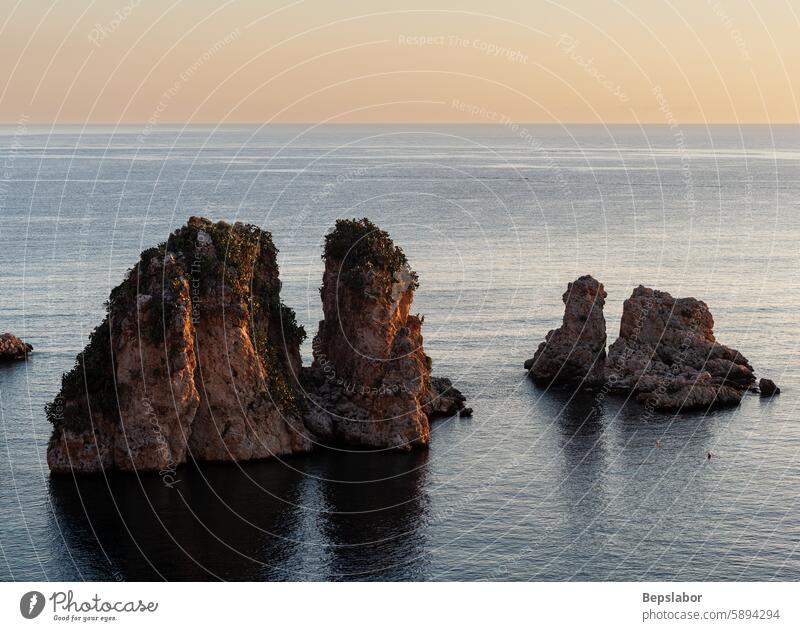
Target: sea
(538, 485)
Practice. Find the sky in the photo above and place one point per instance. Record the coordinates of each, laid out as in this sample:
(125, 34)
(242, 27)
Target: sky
(249, 61)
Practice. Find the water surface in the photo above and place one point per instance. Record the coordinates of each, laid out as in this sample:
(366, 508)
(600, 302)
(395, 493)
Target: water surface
(537, 485)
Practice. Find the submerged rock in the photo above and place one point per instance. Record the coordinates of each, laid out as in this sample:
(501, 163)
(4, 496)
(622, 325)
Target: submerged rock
(369, 384)
(12, 348)
(197, 358)
(667, 355)
(574, 354)
(767, 387)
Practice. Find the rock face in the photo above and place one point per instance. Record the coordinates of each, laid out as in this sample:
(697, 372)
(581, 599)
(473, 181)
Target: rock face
(369, 384)
(667, 355)
(574, 354)
(767, 387)
(12, 348)
(197, 357)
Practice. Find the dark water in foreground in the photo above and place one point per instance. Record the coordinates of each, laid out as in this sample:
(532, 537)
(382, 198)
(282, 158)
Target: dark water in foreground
(537, 485)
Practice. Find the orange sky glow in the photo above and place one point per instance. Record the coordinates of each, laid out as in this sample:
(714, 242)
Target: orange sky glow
(182, 61)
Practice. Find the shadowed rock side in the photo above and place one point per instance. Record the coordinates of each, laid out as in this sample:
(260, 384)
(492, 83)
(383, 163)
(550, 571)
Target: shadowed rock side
(767, 387)
(196, 357)
(443, 399)
(574, 354)
(369, 384)
(667, 355)
(12, 348)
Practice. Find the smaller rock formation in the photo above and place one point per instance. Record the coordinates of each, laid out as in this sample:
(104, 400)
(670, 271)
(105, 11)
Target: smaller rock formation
(197, 357)
(574, 354)
(12, 348)
(443, 399)
(369, 384)
(767, 387)
(666, 354)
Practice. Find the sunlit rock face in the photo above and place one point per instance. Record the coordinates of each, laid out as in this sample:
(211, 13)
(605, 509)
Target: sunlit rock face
(667, 355)
(12, 348)
(197, 358)
(574, 354)
(369, 384)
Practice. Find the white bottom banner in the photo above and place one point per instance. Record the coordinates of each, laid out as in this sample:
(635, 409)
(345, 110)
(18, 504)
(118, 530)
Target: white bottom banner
(389, 606)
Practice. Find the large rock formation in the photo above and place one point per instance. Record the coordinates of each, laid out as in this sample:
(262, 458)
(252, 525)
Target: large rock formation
(12, 348)
(369, 384)
(197, 357)
(667, 355)
(574, 354)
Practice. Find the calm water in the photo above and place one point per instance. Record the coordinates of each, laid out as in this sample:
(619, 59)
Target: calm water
(533, 487)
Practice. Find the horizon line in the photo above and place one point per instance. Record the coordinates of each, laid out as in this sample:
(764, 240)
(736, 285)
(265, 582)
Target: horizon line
(13, 123)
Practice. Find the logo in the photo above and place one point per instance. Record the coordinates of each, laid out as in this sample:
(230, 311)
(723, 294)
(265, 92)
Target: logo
(31, 604)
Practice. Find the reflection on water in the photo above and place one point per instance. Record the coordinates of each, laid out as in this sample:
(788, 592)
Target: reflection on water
(336, 515)
(581, 425)
(373, 523)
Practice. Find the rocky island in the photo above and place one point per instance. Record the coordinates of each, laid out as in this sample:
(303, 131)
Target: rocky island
(666, 354)
(370, 382)
(198, 358)
(12, 348)
(195, 357)
(575, 353)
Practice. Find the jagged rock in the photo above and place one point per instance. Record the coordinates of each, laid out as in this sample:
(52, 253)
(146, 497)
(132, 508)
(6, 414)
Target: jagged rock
(370, 377)
(667, 355)
(443, 399)
(574, 354)
(12, 348)
(197, 357)
(767, 387)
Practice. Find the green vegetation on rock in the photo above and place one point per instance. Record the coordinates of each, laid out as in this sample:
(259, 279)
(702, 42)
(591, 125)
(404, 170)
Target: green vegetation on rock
(362, 247)
(243, 257)
(281, 384)
(92, 376)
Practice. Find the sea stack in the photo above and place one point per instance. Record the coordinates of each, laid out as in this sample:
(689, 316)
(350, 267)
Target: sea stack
(369, 384)
(667, 355)
(197, 358)
(12, 348)
(574, 354)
